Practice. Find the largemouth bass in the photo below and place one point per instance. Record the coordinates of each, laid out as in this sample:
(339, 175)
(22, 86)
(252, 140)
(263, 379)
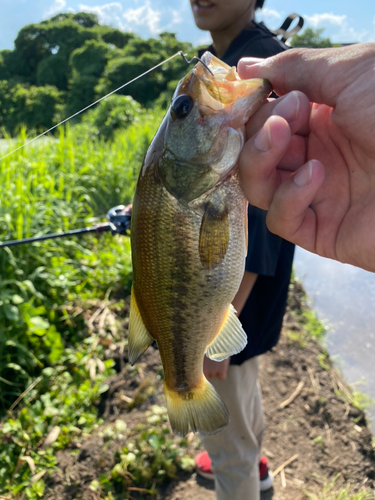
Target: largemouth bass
(189, 239)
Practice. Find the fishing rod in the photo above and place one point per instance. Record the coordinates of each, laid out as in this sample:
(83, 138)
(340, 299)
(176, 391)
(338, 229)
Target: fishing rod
(118, 223)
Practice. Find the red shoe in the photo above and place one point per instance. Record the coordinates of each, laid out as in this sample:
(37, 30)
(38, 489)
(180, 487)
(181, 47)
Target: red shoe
(203, 468)
(265, 475)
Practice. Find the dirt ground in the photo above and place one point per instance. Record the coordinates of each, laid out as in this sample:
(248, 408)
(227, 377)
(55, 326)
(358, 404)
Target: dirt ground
(313, 431)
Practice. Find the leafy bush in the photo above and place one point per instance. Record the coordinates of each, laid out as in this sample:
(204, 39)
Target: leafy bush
(114, 113)
(151, 456)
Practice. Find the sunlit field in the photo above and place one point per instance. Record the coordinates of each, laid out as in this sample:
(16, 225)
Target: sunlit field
(49, 186)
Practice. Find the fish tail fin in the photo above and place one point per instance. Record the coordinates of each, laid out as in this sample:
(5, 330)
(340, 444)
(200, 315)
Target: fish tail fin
(199, 409)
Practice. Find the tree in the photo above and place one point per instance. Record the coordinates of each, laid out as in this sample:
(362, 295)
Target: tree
(115, 37)
(76, 60)
(311, 38)
(137, 57)
(85, 19)
(53, 71)
(60, 36)
(34, 107)
(87, 64)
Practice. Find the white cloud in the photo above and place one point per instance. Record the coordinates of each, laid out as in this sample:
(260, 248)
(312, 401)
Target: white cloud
(109, 13)
(316, 20)
(270, 14)
(272, 18)
(345, 34)
(144, 19)
(56, 7)
(143, 16)
(176, 17)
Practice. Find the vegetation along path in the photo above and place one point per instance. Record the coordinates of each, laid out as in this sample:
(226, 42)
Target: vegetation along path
(317, 440)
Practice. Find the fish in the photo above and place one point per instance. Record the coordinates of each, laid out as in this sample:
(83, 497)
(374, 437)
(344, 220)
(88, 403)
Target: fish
(189, 239)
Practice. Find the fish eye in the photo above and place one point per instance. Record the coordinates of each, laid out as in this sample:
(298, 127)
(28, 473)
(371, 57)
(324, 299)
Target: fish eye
(182, 106)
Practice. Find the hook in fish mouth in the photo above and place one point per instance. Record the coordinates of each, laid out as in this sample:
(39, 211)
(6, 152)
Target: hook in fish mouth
(195, 58)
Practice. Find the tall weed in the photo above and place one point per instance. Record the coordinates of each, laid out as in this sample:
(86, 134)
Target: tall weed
(55, 185)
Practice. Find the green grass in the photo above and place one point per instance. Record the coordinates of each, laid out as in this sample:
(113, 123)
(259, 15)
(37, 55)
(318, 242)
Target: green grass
(150, 457)
(355, 398)
(312, 324)
(64, 399)
(55, 186)
(45, 384)
(330, 491)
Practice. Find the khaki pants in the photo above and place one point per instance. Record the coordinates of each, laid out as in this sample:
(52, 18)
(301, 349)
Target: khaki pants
(235, 451)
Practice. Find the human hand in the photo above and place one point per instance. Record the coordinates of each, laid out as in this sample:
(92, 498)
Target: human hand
(215, 369)
(330, 209)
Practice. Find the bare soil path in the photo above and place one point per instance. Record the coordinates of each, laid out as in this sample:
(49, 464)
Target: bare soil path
(314, 432)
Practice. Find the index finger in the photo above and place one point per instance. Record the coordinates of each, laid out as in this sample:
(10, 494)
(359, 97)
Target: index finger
(321, 74)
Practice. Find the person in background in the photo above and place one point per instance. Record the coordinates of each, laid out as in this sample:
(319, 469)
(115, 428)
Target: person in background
(233, 455)
(315, 172)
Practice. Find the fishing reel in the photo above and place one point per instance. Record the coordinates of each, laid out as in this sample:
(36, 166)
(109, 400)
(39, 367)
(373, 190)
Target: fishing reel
(119, 219)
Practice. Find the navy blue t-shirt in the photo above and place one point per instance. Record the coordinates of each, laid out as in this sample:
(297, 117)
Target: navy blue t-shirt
(268, 255)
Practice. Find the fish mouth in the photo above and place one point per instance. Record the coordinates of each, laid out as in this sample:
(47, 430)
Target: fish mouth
(224, 84)
(216, 87)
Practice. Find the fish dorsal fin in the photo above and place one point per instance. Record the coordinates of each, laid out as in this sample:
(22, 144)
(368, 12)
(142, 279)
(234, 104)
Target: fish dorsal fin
(139, 338)
(230, 340)
(214, 234)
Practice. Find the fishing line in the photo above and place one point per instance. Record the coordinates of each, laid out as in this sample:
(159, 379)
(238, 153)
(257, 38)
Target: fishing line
(180, 53)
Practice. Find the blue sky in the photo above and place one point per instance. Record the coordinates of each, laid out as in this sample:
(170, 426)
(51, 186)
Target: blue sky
(344, 21)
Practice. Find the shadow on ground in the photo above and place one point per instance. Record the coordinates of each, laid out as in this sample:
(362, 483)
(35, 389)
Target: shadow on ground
(205, 483)
(209, 485)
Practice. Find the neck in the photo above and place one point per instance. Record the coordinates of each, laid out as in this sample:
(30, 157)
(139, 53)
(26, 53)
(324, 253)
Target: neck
(224, 37)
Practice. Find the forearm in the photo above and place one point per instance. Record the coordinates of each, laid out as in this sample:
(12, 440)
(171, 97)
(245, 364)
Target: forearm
(247, 284)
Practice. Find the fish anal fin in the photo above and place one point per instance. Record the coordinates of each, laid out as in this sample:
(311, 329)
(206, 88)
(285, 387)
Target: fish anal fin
(197, 410)
(139, 338)
(214, 234)
(230, 340)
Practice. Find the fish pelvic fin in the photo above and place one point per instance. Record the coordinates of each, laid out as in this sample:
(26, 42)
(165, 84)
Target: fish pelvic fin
(197, 410)
(230, 340)
(139, 338)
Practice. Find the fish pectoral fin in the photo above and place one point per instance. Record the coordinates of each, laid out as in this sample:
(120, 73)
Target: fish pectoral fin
(214, 234)
(139, 338)
(230, 340)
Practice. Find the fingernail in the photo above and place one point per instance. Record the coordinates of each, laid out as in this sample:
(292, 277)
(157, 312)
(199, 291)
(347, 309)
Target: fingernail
(263, 140)
(287, 107)
(303, 176)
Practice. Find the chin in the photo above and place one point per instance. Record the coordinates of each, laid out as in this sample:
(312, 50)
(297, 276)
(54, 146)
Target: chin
(205, 24)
